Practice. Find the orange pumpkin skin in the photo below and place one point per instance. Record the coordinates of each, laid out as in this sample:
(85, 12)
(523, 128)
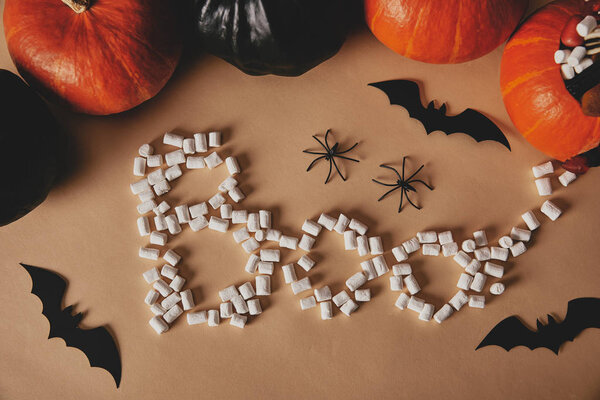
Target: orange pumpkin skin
(107, 59)
(534, 92)
(443, 31)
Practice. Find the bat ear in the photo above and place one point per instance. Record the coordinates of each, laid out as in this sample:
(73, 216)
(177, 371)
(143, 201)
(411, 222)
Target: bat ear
(443, 109)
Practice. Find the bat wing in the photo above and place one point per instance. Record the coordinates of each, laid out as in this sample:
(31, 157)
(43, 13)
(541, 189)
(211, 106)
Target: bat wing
(474, 124)
(406, 94)
(510, 333)
(99, 347)
(582, 313)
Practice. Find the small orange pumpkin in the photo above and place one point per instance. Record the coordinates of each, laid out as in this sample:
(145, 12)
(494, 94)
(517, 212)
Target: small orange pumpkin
(533, 89)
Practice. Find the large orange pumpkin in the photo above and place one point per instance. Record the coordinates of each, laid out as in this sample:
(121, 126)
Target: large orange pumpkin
(443, 31)
(102, 57)
(534, 92)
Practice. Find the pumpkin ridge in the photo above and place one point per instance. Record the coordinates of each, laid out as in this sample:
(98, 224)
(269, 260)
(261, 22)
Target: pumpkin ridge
(410, 43)
(532, 128)
(374, 18)
(523, 42)
(523, 78)
(457, 37)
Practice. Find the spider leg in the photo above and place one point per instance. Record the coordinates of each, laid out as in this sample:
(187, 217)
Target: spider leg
(403, 163)
(327, 149)
(313, 162)
(393, 169)
(411, 203)
(420, 181)
(345, 151)
(329, 174)
(337, 169)
(415, 173)
(388, 192)
(401, 200)
(314, 152)
(384, 184)
(345, 158)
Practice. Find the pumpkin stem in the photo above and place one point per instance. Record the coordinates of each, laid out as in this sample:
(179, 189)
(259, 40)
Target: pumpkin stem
(78, 6)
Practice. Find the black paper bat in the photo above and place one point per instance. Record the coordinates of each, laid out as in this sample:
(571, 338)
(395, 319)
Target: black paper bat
(582, 313)
(406, 94)
(97, 344)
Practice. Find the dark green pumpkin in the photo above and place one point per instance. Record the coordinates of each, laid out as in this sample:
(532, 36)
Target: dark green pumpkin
(29, 143)
(281, 37)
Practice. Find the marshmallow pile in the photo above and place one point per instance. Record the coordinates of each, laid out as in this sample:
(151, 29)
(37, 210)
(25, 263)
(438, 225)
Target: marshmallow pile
(581, 41)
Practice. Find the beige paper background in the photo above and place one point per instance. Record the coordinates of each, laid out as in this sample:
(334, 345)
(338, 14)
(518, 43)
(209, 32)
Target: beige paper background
(86, 231)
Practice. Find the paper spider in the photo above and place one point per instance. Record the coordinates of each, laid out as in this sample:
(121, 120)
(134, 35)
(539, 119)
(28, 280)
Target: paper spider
(329, 155)
(404, 184)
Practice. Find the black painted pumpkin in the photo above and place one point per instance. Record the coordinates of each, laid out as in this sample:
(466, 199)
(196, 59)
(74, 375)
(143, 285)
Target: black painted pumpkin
(281, 37)
(29, 142)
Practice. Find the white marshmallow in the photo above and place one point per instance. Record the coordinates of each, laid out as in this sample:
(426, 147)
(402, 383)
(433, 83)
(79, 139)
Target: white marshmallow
(146, 206)
(175, 157)
(494, 270)
(312, 227)
(306, 242)
(499, 253)
(430, 249)
(576, 56)
(543, 169)
(443, 313)
(301, 285)
(273, 235)
(415, 304)
(306, 263)
(227, 293)
(158, 324)
(326, 310)
(271, 255)
(402, 269)
(200, 142)
(264, 217)
(462, 259)
(478, 282)
(517, 249)
(567, 71)
(476, 301)
(368, 269)
(198, 224)
(146, 195)
(375, 245)
(183, 214)
(247, 291)
(505, 242)
(239, 217)
(308, 302)
(143, 226)
(239, 304)
(196, 318)
(157, 309)
(266, 267)
(169, 272)
(323, 293)
(340, 298)
(161, 287)
(411, 284)
(426, 312)
(380, 265)
(252, 263)
(520, 234)
(289, 273)
(362, 244)
(225, 310)
(218, 224)
(213, 160)
(213, 318)
(550, 210)
(427, 237)
(399, 253)
(586, 26)
(158, 238)
(350, 242)
(263, 285)
(177, 283)
(139, 166)
(530, 220)
(250, 245)
(232, 166)
(228, 184)
(349, 307)
(480, 238)
(173, 140)
(473, 267)
(214, 139)
(216, 201)
(566, 178)
(150, 254)
(584, 64)
(146, 150)
(195, 162)
(236, 194)
(450, 249)
(154, 161)
(396, 283)
(170, 300)
(152, 275)
(151, 297)
(226, 210)
(327, 222)
(241, 234)
(189, 147)
(362, 295)
(140, 186)
(173, 224)
(161, 188)
(497, 289)
(464, 282)
(358, 226)
(341, 224)
(561, 56)
(288, 242)
(445, 237)
(356, 281)
(468, 246)
(253, 222)
(162, 208)
(171, 257)
(254, 307)
(459, 300)
(544, 186)
(411, 245)
(402, 301)
(482, 254)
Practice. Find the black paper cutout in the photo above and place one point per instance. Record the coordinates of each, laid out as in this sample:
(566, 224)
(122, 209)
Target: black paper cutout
(329, 155)
(405, 93)
(97, 343)
(405, 185)
(582, 313)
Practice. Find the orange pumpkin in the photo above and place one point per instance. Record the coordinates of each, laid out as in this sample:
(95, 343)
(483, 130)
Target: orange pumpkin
(98, 57)
(443, 31)
(534, 92)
